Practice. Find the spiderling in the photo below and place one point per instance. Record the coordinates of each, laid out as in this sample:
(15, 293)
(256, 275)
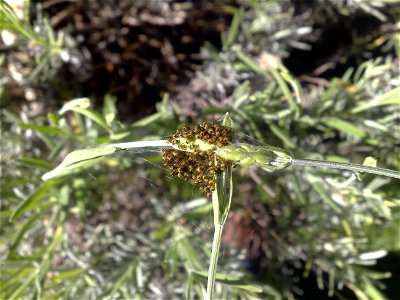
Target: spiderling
(196, 160)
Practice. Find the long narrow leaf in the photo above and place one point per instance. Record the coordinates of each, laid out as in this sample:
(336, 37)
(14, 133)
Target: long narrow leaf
(93, 115)
(345, 127)
(85, 154)
(30, 202)
(72, 169)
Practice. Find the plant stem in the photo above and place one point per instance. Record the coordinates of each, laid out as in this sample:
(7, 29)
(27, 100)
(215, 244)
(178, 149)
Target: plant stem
(221, 200)
(346, 166)
(140, 144)
(214, 261)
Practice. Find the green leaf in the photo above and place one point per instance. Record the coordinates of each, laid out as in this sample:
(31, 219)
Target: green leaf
(53, 119)
(241, 94)
(85, 154)
(227, 121)
(80, 102)
(345, 127)
(21, 273)
(234, 29)
(370, 162)
(222, 195)
(282, 135)
(316, 184)
(295, 84)
(122, 278)
(189, 284)
(27, 226)
(372, 291)
(200, 205)
(90, 281)
(375, 125)
(57, 149)
(163, 231)
(30, 202)
(147, 121)
(72, 169)
(238, 283)
(249, 62)
(377, 204)
(21, 288)
(282, 77)
(277, 115)
(186, 251)
(76, 157)
(93, 115)
(389, 98)
(40, 163)
(42, 128)
(231, 281)
(109, 109)
(381, 237)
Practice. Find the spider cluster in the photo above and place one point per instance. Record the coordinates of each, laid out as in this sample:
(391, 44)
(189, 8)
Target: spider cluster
(192, 163)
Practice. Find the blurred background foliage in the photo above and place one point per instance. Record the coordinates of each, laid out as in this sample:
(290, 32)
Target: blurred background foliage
(319, 78)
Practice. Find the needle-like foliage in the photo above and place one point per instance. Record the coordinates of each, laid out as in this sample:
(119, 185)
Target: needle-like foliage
(117, 225)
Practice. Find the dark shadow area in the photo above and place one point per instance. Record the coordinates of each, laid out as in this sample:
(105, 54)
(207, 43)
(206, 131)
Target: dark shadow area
(136, 51)
(338, 44)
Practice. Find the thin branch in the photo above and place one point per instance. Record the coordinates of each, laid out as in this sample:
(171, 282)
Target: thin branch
(346, 166)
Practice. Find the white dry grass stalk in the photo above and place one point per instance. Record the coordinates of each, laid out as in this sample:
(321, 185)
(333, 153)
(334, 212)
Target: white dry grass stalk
(142, 144)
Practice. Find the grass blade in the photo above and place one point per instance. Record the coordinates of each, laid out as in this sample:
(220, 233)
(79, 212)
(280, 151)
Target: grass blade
(30, 202)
